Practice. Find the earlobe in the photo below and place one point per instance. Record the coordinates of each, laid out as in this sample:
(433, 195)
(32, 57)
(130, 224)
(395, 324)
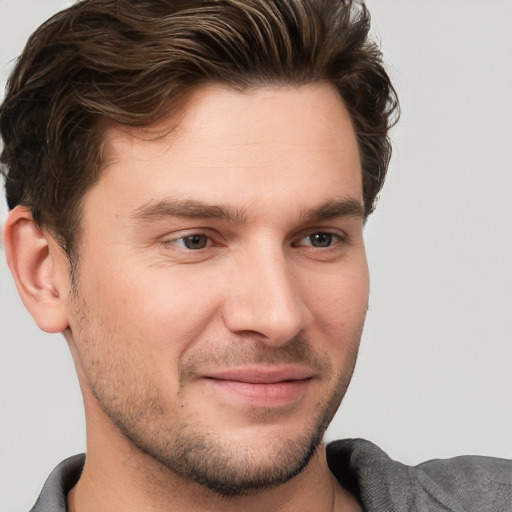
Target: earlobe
(34, 268)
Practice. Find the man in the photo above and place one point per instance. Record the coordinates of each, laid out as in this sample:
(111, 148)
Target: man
(188, 184)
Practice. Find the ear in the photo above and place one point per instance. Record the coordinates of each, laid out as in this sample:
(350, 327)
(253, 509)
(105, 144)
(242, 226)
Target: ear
(39, 270)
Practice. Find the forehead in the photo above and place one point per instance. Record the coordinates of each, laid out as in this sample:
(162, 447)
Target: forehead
(310, 113)
(250, 145)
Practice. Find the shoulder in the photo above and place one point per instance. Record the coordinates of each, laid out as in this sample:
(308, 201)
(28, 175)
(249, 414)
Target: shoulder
(479, 483)
(59, 483)
(462, 484)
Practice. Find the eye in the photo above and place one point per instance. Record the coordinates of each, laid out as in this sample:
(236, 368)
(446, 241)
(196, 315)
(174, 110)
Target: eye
(320, 240)
(192, 242)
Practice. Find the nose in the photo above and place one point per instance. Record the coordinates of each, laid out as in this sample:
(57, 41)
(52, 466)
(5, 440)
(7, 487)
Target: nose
(265, 300)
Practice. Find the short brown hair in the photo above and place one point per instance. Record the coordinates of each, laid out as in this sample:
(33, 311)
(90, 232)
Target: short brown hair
(132, 60)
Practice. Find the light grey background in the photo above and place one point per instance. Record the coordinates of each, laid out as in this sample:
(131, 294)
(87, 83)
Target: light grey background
(434, 375)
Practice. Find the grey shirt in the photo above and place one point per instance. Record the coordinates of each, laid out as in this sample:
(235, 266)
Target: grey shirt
(461, 484)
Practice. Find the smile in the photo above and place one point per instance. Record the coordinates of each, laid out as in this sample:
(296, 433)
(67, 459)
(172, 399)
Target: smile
(262, 386)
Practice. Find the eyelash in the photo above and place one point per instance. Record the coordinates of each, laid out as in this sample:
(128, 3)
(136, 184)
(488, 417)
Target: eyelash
(333, 239)
(190, 237)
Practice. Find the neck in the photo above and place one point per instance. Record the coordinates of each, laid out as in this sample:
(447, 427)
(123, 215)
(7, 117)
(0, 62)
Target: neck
(117, 479)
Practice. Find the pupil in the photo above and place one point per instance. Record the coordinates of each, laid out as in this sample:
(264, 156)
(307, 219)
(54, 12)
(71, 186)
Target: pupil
(322, 239)
(195, 242)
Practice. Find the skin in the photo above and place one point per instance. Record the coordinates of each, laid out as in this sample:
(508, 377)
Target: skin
(217, 306)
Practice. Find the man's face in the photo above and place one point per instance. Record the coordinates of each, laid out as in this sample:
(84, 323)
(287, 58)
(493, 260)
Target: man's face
(222, 284)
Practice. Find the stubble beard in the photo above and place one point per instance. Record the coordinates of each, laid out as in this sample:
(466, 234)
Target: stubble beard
(192, 451)
(232, 471)
(207, 458)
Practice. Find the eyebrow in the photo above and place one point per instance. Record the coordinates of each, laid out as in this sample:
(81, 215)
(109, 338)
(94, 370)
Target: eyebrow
(192, 209)
(187, 208)
(343, 207)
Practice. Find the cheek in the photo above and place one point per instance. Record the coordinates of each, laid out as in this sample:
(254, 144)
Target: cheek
(339, 309)
(159, 311)
(340, 298)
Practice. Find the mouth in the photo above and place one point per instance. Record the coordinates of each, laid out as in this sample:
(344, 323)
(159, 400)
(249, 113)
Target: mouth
(263, 386)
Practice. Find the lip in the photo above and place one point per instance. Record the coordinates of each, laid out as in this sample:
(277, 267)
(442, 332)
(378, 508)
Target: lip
(264, 386)
(262, 375)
